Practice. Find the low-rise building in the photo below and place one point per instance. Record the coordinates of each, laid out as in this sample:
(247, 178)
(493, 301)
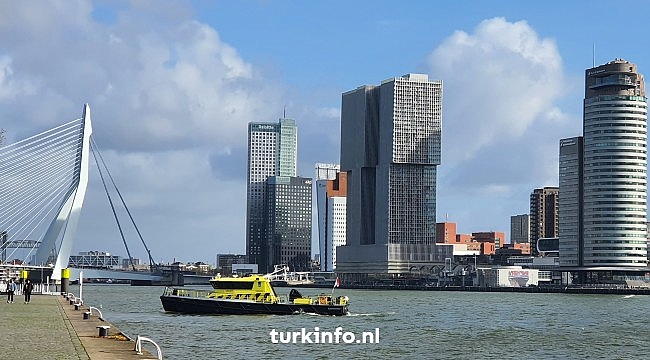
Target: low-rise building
(512, 276)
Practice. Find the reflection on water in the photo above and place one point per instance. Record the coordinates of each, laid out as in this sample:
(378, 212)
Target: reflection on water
(413, 324)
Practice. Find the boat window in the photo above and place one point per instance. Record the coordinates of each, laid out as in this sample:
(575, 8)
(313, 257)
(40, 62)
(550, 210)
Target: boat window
(238, 285)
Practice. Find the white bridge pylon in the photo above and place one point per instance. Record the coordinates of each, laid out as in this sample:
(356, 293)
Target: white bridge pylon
(43, 181)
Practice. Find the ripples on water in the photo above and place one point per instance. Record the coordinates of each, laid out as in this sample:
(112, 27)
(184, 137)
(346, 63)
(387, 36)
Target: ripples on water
(412, 324)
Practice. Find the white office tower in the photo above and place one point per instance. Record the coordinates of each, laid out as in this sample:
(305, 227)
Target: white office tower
(272, 151)
(615, 166)
(331, 197)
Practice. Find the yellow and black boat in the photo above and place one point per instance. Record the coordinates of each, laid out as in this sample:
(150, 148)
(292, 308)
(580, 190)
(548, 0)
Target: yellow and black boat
(248, 295)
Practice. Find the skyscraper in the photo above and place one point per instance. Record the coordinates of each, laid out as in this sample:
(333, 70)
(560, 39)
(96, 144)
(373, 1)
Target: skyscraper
(570, 204)
(288, 223)
(544, 218)
(607, 225)
(331, 197)
(615, 166)
(272, 151)
(390, 147)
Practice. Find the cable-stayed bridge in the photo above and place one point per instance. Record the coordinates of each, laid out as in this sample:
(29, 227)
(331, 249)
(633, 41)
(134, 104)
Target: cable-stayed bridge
(43, 181)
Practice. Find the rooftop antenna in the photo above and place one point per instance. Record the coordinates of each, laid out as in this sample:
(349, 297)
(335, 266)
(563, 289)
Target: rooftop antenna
(284, 112)
(593, 55)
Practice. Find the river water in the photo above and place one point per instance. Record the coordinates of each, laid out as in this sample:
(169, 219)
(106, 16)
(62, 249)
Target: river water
(411, 325)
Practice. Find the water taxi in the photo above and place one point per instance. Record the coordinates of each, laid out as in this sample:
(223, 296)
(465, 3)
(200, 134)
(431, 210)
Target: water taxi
(248, 295)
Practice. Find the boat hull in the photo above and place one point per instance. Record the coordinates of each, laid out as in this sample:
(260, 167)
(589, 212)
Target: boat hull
(193, 305)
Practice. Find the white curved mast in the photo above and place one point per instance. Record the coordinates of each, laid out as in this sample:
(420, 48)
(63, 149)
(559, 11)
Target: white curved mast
(65, 223)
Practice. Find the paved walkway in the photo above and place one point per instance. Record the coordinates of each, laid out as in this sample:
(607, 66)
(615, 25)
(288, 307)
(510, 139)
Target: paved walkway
(49, 328)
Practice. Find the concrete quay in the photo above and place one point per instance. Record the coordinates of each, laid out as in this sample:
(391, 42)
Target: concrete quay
(50, 328)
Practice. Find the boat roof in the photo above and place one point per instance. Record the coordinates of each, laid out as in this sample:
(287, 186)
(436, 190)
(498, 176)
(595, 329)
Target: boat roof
(239, 279)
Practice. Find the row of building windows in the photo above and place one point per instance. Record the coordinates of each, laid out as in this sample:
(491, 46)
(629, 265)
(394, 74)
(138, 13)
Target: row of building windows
(588, 178)
(615, 144)
(607, 98)
(613, 137)
(618, 151)
(619, 157)
(630, 242)
(615, 235)
(616, 131)
(614, 186)
(587, 202)
(600, 170)
(596, 114)
(602, 248)
(610, 209)
(637, 124)
(619, 215)
(618, 195)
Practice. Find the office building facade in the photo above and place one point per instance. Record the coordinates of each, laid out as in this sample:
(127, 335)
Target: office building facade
(272, 151)
(520, 229)
(615, 166)
(544, 215)
(288, 227)
(446, 233)
(570, 204)
(331, 197)
(390, 147)
(603, 174)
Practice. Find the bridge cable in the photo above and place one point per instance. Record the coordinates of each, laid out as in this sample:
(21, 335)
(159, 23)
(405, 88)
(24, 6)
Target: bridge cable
(110, 200)
(152, 263)
(33, 184)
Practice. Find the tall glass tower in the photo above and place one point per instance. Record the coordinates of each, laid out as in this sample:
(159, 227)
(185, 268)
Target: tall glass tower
(272, 151)
(615, 166)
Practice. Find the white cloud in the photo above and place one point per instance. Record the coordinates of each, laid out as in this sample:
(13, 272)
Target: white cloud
(329, 113)
(502, 122)
(153, 82)
(497, 82)
(166, 94)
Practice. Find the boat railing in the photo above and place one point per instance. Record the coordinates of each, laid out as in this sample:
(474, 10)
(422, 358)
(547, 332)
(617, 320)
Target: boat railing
(186, 292)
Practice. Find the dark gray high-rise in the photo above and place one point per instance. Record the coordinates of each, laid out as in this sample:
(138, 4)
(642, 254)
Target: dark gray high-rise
(544, 215)
(288, 228)
(390, 147)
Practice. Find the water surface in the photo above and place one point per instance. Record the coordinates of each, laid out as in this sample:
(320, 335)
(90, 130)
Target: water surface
(412, 324)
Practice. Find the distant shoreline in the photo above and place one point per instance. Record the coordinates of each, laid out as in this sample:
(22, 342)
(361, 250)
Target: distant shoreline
(530, 289)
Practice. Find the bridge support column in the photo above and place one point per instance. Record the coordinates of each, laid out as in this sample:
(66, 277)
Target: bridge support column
(177, 278)
(65, 280)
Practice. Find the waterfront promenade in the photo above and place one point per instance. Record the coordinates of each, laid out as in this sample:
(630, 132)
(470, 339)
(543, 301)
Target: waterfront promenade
(50, 328)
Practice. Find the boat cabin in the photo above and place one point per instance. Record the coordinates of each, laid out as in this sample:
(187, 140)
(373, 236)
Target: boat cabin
(254, 288)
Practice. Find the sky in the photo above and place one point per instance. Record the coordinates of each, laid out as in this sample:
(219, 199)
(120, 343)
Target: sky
(172, 86)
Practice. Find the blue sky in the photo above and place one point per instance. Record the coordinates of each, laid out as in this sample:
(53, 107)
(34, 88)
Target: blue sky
(172, 86)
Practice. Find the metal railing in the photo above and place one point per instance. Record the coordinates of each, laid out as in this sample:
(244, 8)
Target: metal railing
(186, 292)
(90, 309)
(138, 346)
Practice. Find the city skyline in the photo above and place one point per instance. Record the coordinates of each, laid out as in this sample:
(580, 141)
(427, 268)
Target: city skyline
(174, 85)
